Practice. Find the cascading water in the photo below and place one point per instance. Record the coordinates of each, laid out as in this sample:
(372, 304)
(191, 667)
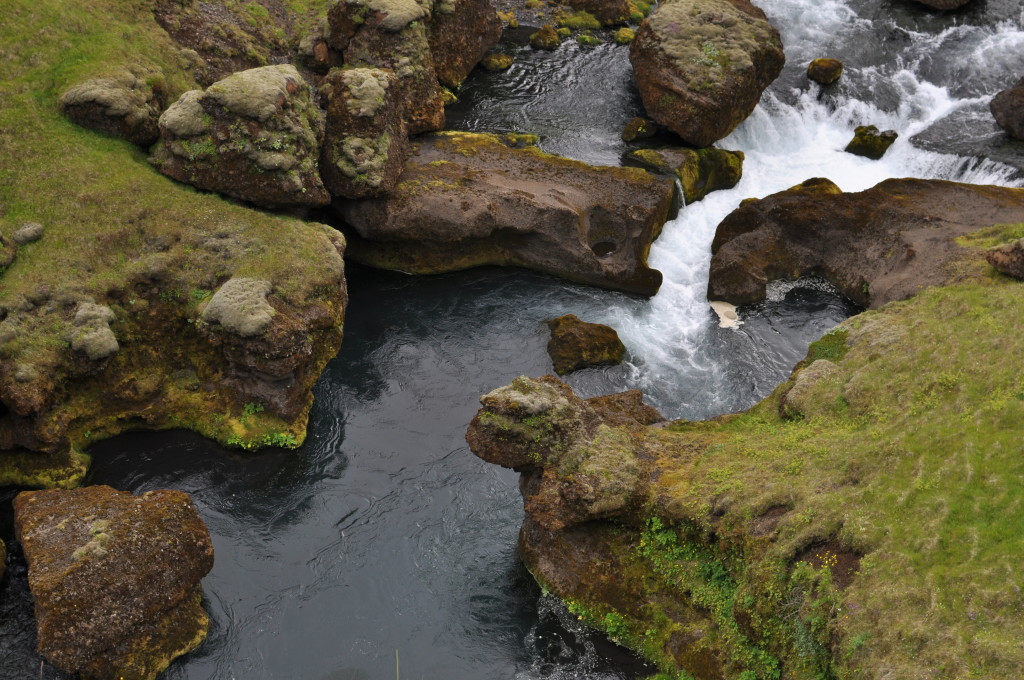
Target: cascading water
(383, 539)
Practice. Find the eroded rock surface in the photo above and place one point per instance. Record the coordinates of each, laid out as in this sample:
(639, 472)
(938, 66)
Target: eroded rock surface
(701, 65)
(466, 200)
(577, 344)
(115, 578)
(876, 246)
(460, 33)
(255, 136)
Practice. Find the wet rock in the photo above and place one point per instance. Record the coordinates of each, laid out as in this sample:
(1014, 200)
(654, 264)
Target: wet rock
(466, 200)
(576, 344)
(1008, 258)
(545, 39)
(701, 65)
(92, 334)
(124, 106)
(393, 35)
(876, 246)
(1008, 109)
(28, 233)
(365, 144)
(460, 34)
(115, 578)
(497, 62)
(255, 136)
(240, 306)
(869, 142)
(700, 171)
(638, 128)
(825, 71)
(944, 4)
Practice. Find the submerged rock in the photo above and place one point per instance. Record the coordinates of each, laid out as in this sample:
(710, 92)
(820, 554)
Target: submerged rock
(1008, 258)
(1008, 109)
(876, 246)
(825, 71)
(460, 34)
(869, 142)
(638, 128)
(701, 65)
(124, 106)
(700, 171)
(466, 200)
(577, 344)
(255, 136)
(115, 578)
(498, 62)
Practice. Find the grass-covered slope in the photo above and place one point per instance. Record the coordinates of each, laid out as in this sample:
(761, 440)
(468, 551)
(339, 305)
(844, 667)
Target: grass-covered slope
(119, 233)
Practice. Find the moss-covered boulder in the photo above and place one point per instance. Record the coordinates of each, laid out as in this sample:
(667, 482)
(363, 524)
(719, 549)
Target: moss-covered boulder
(115, 578)
(638, 128)
(255, 135)
(576, 344)
(1008, 109)
(624, 36)
(876, 246)
(497, 62)
(126, 106)
(1008, 258)
(700, 171)
(393, 35)
(365, 144)
(607, 12)
(869, 142)
(546, 38)
(466, 200)
(460, 33)
(701, 65)
(825, 71)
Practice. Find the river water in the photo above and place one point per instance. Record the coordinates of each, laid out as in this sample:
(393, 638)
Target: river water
(383, 548)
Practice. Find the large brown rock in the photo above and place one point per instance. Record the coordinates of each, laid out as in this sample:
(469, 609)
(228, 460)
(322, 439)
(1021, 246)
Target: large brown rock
(255, 135)
(1008, 258)
(460, 34)
(115, 578)
(701, 65)
(700, 171)
(125, 105)
(466, 200)
(876, 246)
(577, 344)
(365, 143)
(1008, 109)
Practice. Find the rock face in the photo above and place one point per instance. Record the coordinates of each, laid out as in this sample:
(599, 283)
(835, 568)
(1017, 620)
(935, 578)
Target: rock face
(878, 245)
(577, 344)
(1008, 258)
(825, 71)
(701, 65)
(124, 106)
(700, 171)
(255, 136)
(1008, 109)
(460, 34)
(366, 144)
(869, 142)
(115, 578)
(466, 200)
(393, 36)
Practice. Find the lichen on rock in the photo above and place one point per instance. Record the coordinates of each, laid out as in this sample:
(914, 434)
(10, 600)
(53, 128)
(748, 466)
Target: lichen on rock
(92, 334)
(240, 307)
(124, 105)
(30, 232)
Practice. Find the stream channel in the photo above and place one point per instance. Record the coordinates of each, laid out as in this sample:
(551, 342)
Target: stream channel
(383, 541)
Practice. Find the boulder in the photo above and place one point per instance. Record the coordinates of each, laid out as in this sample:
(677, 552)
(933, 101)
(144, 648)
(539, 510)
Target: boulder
(944, 4)
(393, 35)
(700, 171)
(869, 142)
(545, 39)
(701, 65)
(115, 578)
(255, 136)
(92, 334)
(30, 232)
(638, 128)
(124, 106)
(876, 246)
(1008, 258)
(466, 200)
(460, 34)
(365, 143)
(825, 71)
(497, 62)
(577, 344)
(608, 12)
(1008, 109)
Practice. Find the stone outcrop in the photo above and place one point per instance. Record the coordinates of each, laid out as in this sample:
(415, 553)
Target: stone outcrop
(460, 34)
(701, 65)
(577, 344)
(393, 36)
(126, 106)
(876, 246)
(255, 136)
(365, 144)
(700, 171)
(1008, 109)
(115, 578)
(1008, 258)
(869, 142)
(825, 71)
(466, 200)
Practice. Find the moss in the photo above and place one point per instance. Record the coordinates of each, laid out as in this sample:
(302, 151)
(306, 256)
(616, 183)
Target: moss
(588, 39)
(31, 470)
(240, 306)
(624, 36)
(497, 62)
(545, 39)
(578, 21)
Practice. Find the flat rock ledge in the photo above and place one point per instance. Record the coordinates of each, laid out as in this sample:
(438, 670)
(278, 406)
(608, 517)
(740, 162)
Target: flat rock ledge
(115, 578)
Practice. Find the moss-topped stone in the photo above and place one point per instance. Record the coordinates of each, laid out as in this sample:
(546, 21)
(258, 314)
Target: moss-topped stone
(115, 578)
(825, 71)
(576, 344)
(700, 171)
(1008, 258)
(255, 135)
(240, 307)
(606, 12)
(871, 143)
(701, 65)
(497, 62)
(546, 38)
(124, 105)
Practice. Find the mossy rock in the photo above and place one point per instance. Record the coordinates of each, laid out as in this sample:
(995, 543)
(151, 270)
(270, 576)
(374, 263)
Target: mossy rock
(825, 71)
(126, 106)
(545, 39)
(588, 39)
(497, 62)
(576, 344)
(700, 171)
(624, 36)
(870, 143)
(579, 21)
(638, 128)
